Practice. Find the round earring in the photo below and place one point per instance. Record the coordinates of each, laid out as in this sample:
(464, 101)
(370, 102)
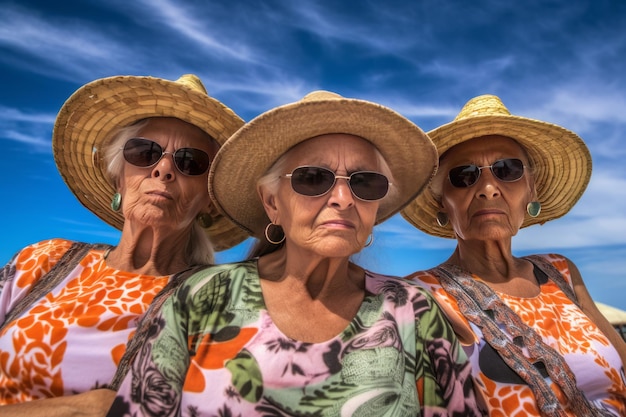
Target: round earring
(533, 208)
(204, 220)
(267, 235)
(442, 219)
(370, 240)
(116, 202)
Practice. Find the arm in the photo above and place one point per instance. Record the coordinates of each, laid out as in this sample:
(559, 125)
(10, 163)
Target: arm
(447, 385)
(89, 404)
(154, 383)
(591, 310)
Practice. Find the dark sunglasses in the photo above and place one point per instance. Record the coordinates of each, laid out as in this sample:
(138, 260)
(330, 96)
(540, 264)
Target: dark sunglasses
(145, 153)
(506, 170)
(317, 181)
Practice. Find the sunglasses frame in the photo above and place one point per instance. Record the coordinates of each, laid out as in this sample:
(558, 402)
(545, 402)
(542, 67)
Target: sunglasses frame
(347, 178)
(480, 169)
(163, 153)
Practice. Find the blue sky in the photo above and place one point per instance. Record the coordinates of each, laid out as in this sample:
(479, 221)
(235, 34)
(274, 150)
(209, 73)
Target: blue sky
(560, 61)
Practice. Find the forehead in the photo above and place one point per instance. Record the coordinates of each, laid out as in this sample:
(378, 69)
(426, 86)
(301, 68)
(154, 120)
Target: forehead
(494, 146)
(171, 128)
(330, 147)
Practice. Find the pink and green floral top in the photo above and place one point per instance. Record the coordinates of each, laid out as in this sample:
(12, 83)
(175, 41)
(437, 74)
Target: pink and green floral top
(214, 351)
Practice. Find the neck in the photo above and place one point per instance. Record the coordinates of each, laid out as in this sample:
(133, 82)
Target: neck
(319, 277)
(150, 251)
(490, 260)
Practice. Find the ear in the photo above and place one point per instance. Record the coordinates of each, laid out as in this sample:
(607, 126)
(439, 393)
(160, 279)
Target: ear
(210, 209)
(269, 203)
(532, 189)
(440, 205)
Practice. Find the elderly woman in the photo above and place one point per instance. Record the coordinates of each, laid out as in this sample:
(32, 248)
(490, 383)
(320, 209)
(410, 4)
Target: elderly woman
(537, 343)
(302, 330)
(136, 151)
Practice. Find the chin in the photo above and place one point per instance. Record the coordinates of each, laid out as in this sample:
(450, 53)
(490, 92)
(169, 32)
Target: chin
(337, 249)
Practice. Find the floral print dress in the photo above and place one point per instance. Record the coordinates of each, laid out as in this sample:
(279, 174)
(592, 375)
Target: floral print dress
(71, 340)
(214, 351)
(563, 326)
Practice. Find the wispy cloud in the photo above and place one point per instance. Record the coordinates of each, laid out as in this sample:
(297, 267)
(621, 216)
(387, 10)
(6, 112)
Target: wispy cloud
(32, 129)
(46, 44)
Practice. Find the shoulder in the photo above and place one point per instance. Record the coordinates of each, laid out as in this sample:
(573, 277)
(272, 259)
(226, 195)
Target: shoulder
(558, 261)
(41, 255)
(565, 267)
(214, 277)
(393, 286)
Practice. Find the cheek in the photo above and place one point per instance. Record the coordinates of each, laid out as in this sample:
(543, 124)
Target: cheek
(453, 199)
(367, 213)
(195, 192)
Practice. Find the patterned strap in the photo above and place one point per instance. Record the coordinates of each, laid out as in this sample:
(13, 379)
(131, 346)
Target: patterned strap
(143, 328)
(482, 306)
(555, 275)
(45, 284)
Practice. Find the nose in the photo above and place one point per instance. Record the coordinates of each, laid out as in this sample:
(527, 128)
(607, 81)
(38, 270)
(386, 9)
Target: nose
(165, 169)
(341, 195)
(487, 185)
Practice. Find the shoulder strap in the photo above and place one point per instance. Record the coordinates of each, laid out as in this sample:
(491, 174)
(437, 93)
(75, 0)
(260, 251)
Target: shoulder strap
(45, 284)
(143, 328)
(554, 274)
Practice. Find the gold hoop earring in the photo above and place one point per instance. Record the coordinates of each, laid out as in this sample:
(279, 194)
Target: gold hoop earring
(370, 240)
(267, 235)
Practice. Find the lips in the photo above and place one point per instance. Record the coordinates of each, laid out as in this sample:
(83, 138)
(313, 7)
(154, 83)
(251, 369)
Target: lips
(486, 212)
(163, 194)
(339, 222)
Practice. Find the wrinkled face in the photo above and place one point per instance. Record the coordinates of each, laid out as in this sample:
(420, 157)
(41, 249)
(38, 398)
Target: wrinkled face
(336, 224)
(490, 209)
(160, 195)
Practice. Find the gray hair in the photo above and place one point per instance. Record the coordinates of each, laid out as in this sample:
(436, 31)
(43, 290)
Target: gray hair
(199, 249)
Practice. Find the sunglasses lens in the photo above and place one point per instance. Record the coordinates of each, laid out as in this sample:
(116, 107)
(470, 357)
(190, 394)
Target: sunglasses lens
(312, 181)
(142, 152)
(508, 170)
(191, 161)
(369, 185)
(464, 176)
(145, 153)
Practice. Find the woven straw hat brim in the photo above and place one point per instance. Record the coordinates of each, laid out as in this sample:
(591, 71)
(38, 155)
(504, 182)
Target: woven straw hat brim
(254, 148)
(94, 111)
(561, 161)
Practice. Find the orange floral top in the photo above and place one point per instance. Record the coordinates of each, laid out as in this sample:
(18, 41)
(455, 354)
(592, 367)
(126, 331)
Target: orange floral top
(563, 326)
(72, 339)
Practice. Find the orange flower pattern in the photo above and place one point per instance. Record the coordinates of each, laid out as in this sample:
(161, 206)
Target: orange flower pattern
(562, 325)
(72, 339)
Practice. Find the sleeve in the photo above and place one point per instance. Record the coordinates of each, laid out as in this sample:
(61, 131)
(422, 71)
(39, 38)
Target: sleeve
(443, 377)
(155, 382)
(26, 268)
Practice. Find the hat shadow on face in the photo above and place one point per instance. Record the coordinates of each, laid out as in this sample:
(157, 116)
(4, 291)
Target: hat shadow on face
(254, 148)
(560, 160)
(88, 118)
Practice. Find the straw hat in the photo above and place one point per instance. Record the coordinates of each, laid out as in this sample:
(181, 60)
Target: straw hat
(255, 147)
(89, 117)
(561, 161)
